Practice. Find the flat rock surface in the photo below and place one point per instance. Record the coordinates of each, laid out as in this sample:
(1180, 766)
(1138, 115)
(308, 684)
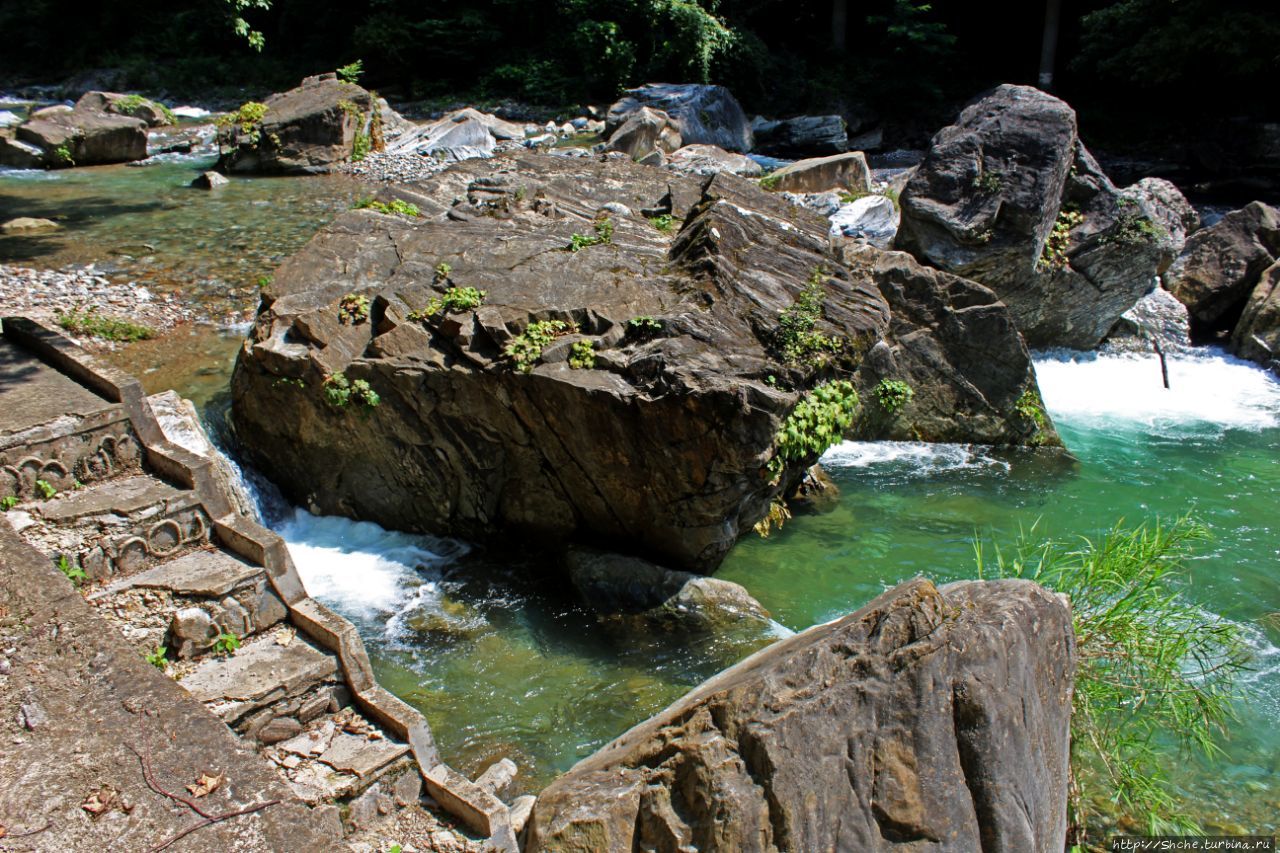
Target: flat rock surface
(90, 701)
(34, 393)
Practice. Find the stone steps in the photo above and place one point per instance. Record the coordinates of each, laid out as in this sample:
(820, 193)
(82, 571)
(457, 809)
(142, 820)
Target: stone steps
(116, 527)
(271, 677)
(186, 603)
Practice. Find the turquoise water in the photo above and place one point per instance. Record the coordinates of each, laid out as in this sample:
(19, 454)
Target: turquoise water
(505, 667)
(505, 663)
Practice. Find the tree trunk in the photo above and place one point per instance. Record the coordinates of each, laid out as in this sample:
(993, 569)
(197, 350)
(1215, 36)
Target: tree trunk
(839, 23)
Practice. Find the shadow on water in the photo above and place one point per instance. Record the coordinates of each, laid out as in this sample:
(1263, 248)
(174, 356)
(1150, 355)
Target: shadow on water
(74, 213)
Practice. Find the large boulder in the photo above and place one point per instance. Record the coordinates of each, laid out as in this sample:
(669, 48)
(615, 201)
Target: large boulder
(152, 112)
(1221, 265)
(1257, 335)
(643, 132)
(710, 160)
(872, 219)
(839, 171)
(80, 136)
(463, 134)
(1008, 196)
(1171, 209)
(931, 719)
(704, 115)
(307, 130)
(643, 411)
(802, 136)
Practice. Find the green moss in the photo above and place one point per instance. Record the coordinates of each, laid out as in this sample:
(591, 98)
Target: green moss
(664, 223)
(770, 182)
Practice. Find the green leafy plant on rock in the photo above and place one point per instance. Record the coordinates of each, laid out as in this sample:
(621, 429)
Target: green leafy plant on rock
(391, 208)
(664, 222)
(1054, 256)
(248, 119)
(817, 422)
(988, 181)
(893, 395)
(455, 300)
(339, 392)
(1031, 407)
(63, 153)
(1156, 674)
(46, 489)
(132, 104)
(353, 309)
(226, 644)
(796, 339)
(1133, 227)
(526, 348)
(158, 658)
(443, 271)
(644, 327)
(74, 573)
(351, 73)
(770, 182)
(582, 355)
(778, 515)
(603, 234)
(8, 502)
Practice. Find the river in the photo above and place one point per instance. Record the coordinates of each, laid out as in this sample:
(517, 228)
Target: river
(503, 666)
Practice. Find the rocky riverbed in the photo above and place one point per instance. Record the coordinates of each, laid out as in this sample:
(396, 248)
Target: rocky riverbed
(52, 294)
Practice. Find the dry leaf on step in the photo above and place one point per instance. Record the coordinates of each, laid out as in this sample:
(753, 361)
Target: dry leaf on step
(104, 800)
(206, 784)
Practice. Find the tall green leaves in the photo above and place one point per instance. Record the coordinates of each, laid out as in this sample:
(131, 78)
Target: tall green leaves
(1156, 673)
(241, 26)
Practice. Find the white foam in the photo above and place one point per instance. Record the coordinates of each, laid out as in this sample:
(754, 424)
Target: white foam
(922, 458)
(361, 569)
(1126, 390)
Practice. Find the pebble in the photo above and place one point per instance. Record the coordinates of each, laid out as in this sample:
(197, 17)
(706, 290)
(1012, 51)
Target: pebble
(44, 294)
(384, 168)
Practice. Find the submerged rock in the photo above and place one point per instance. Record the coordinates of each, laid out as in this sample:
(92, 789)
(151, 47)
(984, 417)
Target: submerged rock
(1220, 266)
(209, 181)
(307, 130)
(704, 115)
(928, 720)
(644, 407)
(640, 594)
(1009, 197)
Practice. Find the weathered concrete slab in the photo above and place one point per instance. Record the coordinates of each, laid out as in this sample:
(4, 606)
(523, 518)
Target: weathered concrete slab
(258, 669)
(361, 756)
(90, 701)
(203, 574)
(114, 497)
(32, 393)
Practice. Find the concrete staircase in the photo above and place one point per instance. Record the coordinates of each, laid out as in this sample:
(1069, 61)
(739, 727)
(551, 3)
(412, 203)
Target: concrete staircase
(152, 534)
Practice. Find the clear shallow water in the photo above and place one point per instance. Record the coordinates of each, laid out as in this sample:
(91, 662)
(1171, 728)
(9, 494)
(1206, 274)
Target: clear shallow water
(146, 224)
(502, 666)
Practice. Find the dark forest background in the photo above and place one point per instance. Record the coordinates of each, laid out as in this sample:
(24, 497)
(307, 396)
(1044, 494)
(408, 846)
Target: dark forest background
(1138, 67)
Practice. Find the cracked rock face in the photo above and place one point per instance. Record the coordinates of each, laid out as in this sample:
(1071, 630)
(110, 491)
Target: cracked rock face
(928, 720)
(1009, 197)
(659, 442)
